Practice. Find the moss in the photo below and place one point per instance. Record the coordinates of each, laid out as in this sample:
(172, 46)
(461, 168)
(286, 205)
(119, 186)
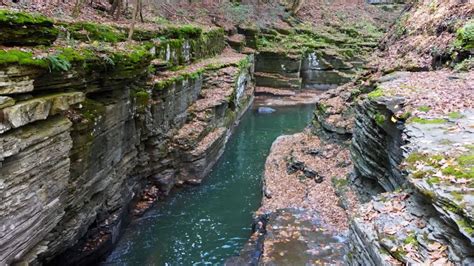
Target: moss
(165, 83)
(379, 119)
(457, 196)
(10, 17)
(433, 180)
(404, 116)
(87, 31)
(92, 110)
(340, 182)
(21, 58)
(414, 157)
(142, 99)
(428, 193)
(400, 25)
(420, 120)
(424, 108)
(466, 160)
(455, 115)
(466, 225)
(18, 28)
(134, 55)
(377, 93)
(465, 36)
(410, 239)
(184, 31)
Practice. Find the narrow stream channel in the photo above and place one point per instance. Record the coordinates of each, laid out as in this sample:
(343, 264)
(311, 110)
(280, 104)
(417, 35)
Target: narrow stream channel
(207, 224)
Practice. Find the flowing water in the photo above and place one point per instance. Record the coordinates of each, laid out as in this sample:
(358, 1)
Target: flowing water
(207, 224)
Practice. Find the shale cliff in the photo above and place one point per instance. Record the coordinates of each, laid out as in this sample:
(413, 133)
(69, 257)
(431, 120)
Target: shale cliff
(87, 121)
(410, 125)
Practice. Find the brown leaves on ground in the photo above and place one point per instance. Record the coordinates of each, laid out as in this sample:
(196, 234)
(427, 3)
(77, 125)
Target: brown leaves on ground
(297, 191)
(439, 92)
(422, 34)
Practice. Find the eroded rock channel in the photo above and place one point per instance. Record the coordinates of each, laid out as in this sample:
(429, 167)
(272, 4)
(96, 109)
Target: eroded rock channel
(155, 149)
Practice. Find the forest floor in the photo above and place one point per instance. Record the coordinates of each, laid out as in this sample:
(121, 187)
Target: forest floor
(209, 13)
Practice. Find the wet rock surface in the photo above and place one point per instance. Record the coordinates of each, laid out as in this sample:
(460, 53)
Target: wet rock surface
(296, 237)
(305, 223)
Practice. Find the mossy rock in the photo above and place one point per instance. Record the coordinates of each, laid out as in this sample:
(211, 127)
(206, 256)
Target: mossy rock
(184, 31)
(18, 28)
(87, 31)
(14, 56)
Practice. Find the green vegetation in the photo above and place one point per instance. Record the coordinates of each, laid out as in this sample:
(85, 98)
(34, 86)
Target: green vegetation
(10, 17)
(377, 93)
(162, 84)
(424, 108)
(237, 12)
(462, 167)
(455, 115)
(21, 58)
(343, 41)
(466, 226)
(87, 31)
(379, 119)
(465, 65)
(18, 28)
(465, 36)
(58, 63)
(400, 26)
(411, 239)
(426, 121)
(184, 31)
(433, 180)
(466, 160)
(142, 98)
(457, 196)
(92, 110)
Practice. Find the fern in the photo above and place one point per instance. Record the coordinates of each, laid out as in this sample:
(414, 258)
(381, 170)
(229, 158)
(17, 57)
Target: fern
(58, 63)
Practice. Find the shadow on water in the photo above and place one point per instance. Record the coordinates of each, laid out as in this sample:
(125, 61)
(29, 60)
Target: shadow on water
(208, 223)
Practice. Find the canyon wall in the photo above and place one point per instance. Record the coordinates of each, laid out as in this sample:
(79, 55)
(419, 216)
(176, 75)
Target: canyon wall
(85, 128)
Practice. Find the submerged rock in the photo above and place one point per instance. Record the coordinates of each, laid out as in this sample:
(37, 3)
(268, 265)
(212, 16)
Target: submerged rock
(265, 110)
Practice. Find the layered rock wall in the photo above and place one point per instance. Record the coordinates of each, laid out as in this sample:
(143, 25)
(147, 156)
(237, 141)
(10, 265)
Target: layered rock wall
(81, 138)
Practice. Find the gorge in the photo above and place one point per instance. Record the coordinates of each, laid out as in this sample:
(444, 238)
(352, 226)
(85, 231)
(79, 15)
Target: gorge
(152, 150)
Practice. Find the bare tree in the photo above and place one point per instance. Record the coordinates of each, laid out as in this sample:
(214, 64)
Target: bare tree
(116, 8)
(134, 19)
(77, 8)
(296, 6)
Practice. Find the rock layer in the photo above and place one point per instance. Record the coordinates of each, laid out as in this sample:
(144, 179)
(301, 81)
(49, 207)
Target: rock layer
(79, 144)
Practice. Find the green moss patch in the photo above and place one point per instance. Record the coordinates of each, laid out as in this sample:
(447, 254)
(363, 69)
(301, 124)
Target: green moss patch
(14, 56)
(377, 93)
(465, 36)
(424, 108)
(425, 121)
(19, 28)
(455, 115)
(342, 41)
(184, 31)
(87, 31)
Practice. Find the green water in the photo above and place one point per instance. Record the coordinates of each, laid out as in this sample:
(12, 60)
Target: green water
(207, 224)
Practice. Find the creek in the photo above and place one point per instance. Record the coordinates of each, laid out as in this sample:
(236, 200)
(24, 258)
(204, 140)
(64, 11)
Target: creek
(209, 223)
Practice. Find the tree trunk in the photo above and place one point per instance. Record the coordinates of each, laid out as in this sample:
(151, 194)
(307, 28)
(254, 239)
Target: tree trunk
(134, 19)
(115, 8)
(77, 8)
(141, 11)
